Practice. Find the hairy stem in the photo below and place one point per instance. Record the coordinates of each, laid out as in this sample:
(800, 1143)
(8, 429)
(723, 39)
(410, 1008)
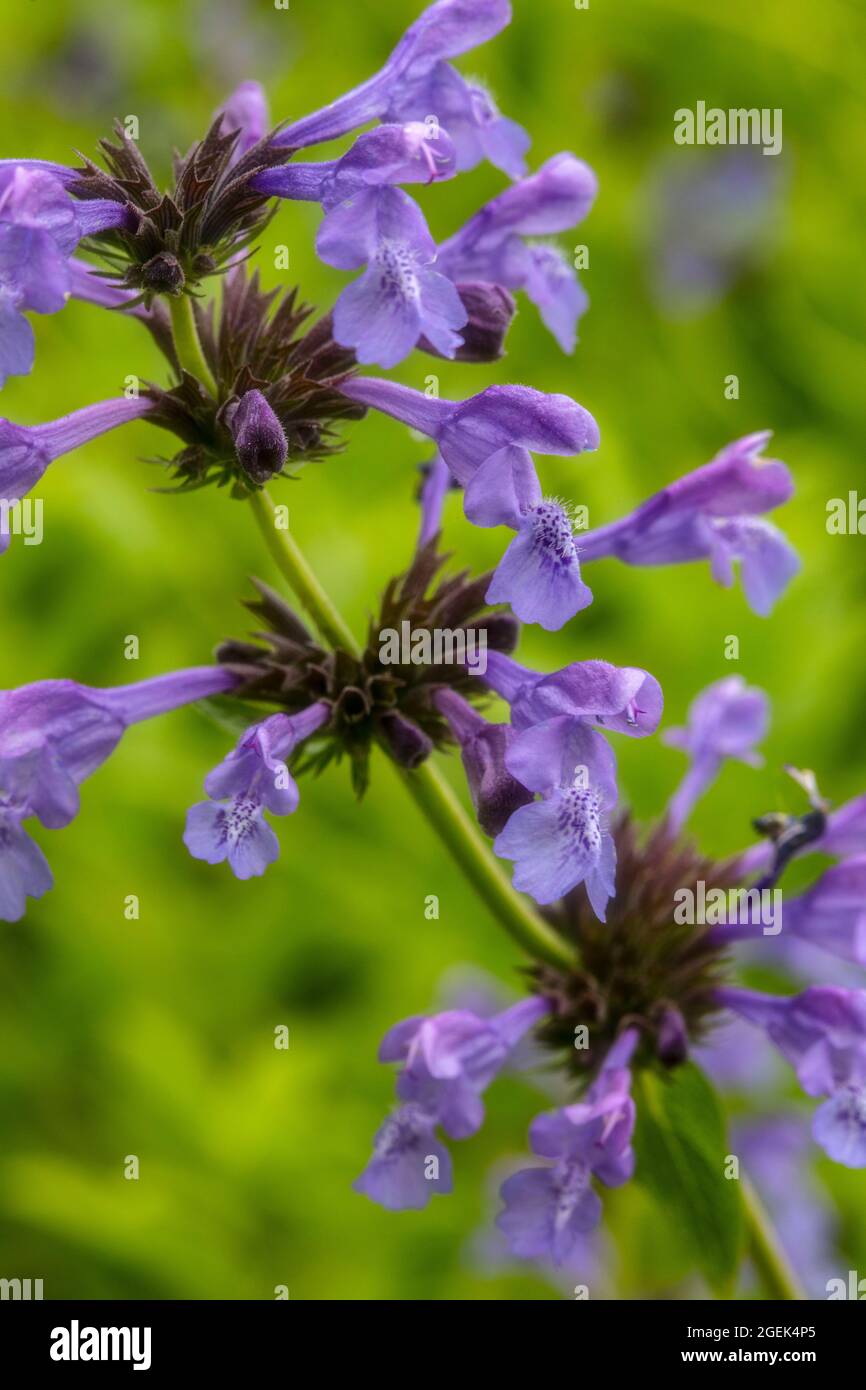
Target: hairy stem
(186, 342)
(769, 1258)
(428, 788)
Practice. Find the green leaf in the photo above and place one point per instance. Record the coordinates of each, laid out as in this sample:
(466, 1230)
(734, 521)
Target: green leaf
(681, 1148)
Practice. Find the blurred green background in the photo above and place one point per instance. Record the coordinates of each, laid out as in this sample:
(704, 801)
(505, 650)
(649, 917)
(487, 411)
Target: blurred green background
(155, 1037)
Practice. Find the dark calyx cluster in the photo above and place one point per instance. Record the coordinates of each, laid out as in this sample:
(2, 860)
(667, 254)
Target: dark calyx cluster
(175, 240)
(640, 968)
(371, 702)
(257, 345)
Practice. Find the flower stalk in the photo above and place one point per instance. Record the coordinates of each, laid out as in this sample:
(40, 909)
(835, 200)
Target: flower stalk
(187, 344)
(766, 1251)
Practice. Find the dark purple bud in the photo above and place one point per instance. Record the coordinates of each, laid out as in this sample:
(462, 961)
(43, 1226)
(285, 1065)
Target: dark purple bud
(503, 632)
(491, 309)
(495, 793)
(163, 274)
(259, 440)
(409, 746)
(671, 1037)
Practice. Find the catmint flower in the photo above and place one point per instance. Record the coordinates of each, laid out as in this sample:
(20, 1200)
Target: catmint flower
(725, 721)
(388, 155)
(246, 112)
(492, 245)
(625, 699)
(253, 778)
(486, 441)
(714, 513)
(448, 1059)
(27, 450)
(563, 839)
(539, 574)
(40, 227)
(54, 735)
(443, 31)
(409, 1163)
(549, 1209)
(401, 297)
(822, 1033)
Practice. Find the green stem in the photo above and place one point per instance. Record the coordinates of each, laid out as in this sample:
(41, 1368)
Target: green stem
(186, 342)
(290, 560)
(428, 788)
(769, 1258)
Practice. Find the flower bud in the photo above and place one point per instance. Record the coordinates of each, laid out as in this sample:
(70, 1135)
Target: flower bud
(259, 439)
(491, 309)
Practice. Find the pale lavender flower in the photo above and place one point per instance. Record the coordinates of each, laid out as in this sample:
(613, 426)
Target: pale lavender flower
(246, 111)
(486, 442)
(55, 734)
(549, 1210)
(725, 721)
(563, 839)
(27, 450)
(822, 1033)
(448, 1059)
(493, 245)
(713, 513)
(407, 80)
(40, 227)
(253, 779)
(409, 1164)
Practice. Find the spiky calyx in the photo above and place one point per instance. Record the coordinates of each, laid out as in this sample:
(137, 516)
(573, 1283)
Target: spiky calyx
(257, 344)
(372, 701)
(640, 968)
(177, 239)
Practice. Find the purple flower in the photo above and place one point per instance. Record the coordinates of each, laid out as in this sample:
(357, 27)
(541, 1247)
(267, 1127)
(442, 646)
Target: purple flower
(388, 155)
(548, 1210)
(625, 699)
(40, 227)
(539, 574)
(246, 111)
(398, 90)
(486, 441)
(495, 793)
(832, 913)
(563, 839)
(725, 721)
(253, 779)
(400, 297)
(492, 247)
(467, 110)
(822, 1033)
(713, 513)
(409, 1164)
(26, 451)
(53, 735)
(448, 1060)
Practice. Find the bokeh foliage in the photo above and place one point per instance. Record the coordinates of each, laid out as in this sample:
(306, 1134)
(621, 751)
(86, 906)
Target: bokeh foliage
(155, 1037)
